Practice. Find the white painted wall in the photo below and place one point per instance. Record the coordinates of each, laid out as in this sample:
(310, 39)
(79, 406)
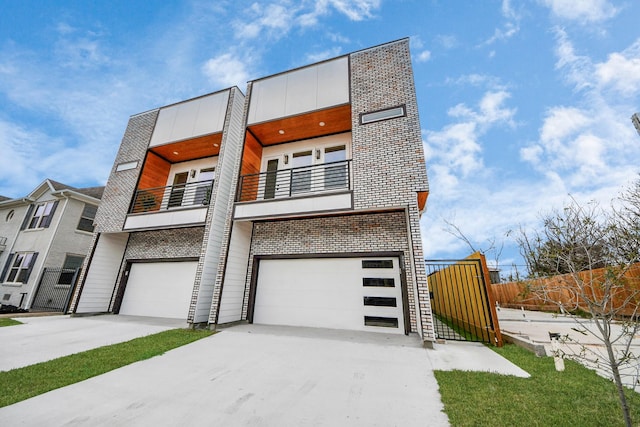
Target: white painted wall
(189, 119)
(320, 202)
(102, 274)
(159, 289)
(307, 89)
(235, 273)
(163, 219)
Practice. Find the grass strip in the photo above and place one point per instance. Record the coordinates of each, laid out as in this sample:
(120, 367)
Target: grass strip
(22, 383)
(575, 397)
(6, 321)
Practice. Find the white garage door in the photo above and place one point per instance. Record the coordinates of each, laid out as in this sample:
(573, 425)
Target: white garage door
(159, 289)
(339, 293)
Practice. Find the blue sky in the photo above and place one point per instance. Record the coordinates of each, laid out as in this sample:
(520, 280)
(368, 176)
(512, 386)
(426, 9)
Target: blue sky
(521, 103)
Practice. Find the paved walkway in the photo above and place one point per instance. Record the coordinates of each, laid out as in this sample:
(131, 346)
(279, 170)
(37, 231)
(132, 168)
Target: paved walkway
(253, 375)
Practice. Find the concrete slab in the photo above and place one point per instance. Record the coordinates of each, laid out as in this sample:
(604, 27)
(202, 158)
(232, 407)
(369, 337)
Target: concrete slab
(252, 375)
(535, 326)
(44, 338)
(470, 356)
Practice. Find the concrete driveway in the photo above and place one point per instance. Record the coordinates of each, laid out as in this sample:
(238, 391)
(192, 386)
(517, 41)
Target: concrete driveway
(267, 376)
(44, 338)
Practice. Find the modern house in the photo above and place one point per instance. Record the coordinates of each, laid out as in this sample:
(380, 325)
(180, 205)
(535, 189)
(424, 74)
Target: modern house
(49, 230)
(297, 204)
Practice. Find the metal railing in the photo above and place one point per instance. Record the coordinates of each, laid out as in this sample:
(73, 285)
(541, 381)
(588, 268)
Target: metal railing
(193, 194)
(297, 181)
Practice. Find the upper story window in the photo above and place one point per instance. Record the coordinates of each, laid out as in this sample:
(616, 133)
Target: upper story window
(87, 217)
(40, 215)
(18, 267)
(386, 114)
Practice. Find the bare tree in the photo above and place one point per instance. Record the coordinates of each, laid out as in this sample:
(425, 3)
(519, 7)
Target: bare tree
(490, 248)
(587, 249)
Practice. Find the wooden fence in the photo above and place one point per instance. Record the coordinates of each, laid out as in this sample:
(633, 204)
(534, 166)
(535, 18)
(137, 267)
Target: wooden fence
(544, 294)
(462, 297)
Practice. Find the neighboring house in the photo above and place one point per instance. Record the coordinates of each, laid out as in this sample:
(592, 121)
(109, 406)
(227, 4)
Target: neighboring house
(312, 217)
(49, 229)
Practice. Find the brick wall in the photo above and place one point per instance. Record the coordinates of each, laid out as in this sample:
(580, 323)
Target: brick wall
(171, 243)
(380, 232)
(388, 158)
(121, 185)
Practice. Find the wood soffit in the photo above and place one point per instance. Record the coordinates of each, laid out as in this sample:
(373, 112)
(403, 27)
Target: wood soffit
(303, 126)
(190, 149)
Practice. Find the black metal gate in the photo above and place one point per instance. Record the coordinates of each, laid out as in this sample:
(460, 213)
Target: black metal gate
(54, 289)
(460, 301)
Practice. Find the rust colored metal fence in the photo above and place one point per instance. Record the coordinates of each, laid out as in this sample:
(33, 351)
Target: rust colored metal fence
(461, 300)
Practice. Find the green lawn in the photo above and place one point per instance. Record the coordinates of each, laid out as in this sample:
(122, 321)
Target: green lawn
(575, 397)
(23, 383)
(5, 321)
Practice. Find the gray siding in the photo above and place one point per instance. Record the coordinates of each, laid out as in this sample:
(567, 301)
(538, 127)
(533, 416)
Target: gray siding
(219, 214)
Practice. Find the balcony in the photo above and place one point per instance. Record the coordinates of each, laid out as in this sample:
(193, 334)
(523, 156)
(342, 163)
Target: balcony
(295, 191)
(176, 205)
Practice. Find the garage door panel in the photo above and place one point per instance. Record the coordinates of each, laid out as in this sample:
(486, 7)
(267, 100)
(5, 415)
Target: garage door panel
(159, 289)
(329, 293)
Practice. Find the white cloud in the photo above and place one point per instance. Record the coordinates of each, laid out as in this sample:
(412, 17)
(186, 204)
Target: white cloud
(582, 11)
(448, 41)
(621, 71)
(423, 56)
(278, 18)
(455, 152)
(586, 145)
(226, 70)
(325, 54)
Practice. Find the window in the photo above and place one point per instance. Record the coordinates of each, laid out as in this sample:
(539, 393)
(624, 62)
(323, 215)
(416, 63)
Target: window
(386, 114)
(385, 322)
(378, 282)
(9, 215)
(18, 267)
(71, 265)
(335, 176)
(40, 215)
(374, 263)
(380, 301)
(301, 176)
(204, 186)
(87, 217)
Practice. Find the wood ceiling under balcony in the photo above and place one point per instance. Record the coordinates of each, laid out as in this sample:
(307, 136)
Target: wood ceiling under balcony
(190, 149)
(303, 126)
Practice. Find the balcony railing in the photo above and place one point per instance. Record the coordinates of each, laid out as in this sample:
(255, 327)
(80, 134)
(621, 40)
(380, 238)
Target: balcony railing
(190, 195)
(299, 181)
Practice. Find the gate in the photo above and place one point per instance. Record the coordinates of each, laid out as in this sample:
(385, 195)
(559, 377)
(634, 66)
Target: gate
(461, 300)
(54, 289)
